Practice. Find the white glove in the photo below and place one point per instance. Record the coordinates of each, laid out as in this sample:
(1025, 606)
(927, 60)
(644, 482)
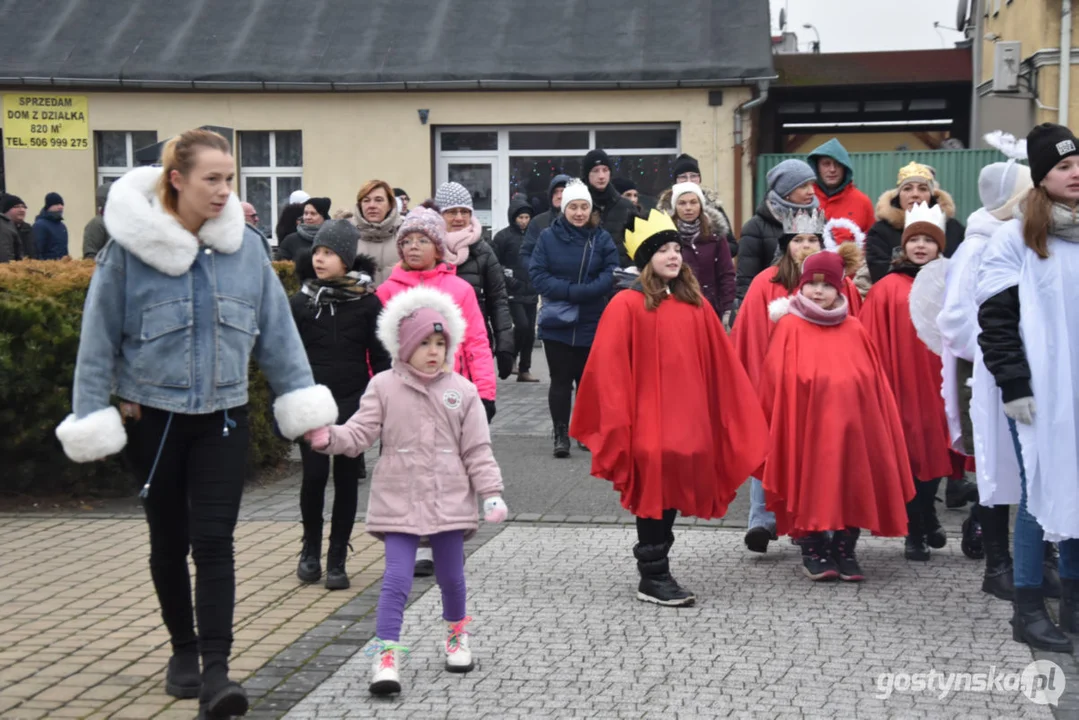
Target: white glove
(507, 272)
(495, 510)
(1021, 410)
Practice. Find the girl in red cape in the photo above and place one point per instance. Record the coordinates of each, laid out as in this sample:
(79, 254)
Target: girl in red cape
(915, 374)
(803, 233)
(838, 459)
(666, 409)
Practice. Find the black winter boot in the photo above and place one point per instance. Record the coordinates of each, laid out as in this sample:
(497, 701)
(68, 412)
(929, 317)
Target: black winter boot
(915, 547)
(561, 441)
(220, 697)
(934, 534)
(657, 586)
(1050, 572)
(309, 569)
(336, 577)
(1069, 605)
(843, 542)
(958, 493)
(971, 544)
(817, 561)
(1031, 623)
(998, 559)
(183, 679)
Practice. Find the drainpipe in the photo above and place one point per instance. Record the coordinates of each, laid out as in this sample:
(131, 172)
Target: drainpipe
(1065, 61)
(739, 113)
(976, 55)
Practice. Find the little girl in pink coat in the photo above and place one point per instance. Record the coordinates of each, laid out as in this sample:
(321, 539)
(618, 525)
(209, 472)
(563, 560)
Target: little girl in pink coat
(436, 458)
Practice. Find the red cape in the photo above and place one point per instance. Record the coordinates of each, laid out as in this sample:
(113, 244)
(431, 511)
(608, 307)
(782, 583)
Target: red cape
(752, 326)
(666, 409)
(914, 373)
(838, 456)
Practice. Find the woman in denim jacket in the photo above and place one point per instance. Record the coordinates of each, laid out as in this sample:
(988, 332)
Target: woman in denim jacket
(179, 304)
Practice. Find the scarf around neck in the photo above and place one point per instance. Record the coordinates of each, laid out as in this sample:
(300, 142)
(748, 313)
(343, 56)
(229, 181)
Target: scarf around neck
(1064, 222)
(781, 206)
(459, 241)
(330, 292)
(689, 232)
(379, 232)
(810, 311)
(307, 232)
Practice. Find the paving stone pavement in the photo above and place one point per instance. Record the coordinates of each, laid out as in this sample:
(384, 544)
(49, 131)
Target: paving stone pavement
(558, 633)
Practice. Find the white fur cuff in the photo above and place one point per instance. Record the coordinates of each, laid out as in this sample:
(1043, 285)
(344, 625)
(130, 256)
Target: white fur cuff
(778, 308)
(96, 436)
(305, 409)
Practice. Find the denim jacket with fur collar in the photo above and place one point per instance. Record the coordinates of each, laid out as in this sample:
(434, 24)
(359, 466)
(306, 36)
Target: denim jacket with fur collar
(171, 322)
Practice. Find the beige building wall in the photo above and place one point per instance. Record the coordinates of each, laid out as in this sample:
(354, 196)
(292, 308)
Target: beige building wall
(869, 142)
(351, 138)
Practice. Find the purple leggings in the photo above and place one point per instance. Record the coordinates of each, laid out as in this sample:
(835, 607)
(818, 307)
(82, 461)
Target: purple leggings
(448, 549)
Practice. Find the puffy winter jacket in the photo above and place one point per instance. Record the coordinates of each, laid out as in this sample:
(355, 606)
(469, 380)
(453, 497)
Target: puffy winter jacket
(886, 236)
(561, 253)
(507, 246)
(50, 236)
(757, 247)
(614, 211)
(10, 246)
(721, 224)
(473, 358)
(484, 273)
(710, 260)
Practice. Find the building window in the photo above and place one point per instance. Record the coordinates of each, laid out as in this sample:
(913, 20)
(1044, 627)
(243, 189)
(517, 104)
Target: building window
(271, 168)
(116, 151)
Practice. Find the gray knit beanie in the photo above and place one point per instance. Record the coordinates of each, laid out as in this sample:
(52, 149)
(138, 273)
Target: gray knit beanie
(452, 195)
(340, 236)
(789, 175)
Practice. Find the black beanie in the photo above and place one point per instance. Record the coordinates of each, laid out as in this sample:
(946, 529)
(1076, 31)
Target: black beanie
(398, 192)
(1048, 144)
(593, 159)
(685, 164)
(623, 185)
(9, 202)
(321, 205)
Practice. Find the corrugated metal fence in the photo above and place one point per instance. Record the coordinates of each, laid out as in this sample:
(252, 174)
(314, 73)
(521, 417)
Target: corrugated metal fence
(875, 172)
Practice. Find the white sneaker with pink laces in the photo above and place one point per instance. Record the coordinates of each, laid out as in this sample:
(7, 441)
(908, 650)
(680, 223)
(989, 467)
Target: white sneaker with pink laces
(458, 654)
(385, 670)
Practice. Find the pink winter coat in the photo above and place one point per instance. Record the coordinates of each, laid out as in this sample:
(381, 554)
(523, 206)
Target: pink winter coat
(436, 452)
(474, 359)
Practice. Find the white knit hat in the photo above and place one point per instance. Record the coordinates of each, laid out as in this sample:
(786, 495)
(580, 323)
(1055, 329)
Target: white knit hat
(575, 190)
(687, 187)
(297, 197)
(452, 195)
(1002, 185)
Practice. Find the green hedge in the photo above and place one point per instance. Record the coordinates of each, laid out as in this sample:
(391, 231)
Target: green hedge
(40, 316)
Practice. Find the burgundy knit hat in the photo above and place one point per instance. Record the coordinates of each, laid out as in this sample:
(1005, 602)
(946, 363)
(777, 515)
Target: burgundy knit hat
(416, 327)
(426, 221)
(823, 267)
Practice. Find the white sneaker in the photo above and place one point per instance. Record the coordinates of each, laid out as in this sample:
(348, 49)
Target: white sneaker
(458, 654)
(385, 674)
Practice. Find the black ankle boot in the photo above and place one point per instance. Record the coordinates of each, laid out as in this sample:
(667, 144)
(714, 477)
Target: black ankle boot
(1069, 605)
(998, 560)
(934, 534)
(183, 680)
(843, 543)
(958, 493)
(309, 569)
(1031, 623)
(971, 544)
(336, 577)
(817, 562)
(1050, 572)
(915, 547)
(657, 586)
(561, 441)
(220, 698)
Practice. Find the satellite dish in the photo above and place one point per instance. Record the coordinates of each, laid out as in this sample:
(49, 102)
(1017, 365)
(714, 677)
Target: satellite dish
(782, 19)
(961, 15)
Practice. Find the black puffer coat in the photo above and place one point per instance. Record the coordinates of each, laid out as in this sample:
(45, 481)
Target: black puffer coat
(757, 248)
(484, 273)
(507, 246)
(614, 211)
(886, 236)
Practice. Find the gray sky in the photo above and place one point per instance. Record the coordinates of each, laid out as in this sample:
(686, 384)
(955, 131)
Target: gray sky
(867, 25)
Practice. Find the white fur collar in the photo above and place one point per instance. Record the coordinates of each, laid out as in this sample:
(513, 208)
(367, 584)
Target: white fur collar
(136, 220)
(404, 304)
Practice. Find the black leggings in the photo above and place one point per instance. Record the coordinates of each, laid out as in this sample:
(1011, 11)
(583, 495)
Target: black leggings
(192, 504)
(651, 531)
(566, 365)
(524, 332)
(346, 482)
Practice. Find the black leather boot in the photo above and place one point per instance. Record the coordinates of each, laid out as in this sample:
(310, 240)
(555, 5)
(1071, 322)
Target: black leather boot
(309, 569)
(183, 679)
(336, 577)
(998, 559)
(1032, 625)
(1069, 605)
(561, 441)
(915, 547)
(934, 534)
(1050, 572)
(972, 544)
(657, 586)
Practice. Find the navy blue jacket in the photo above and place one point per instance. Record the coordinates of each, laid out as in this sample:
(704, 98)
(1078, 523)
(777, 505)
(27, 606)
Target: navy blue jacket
(50, 236)
(555, 267)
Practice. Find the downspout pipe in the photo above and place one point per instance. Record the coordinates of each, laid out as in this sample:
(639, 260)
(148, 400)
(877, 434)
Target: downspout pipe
(1063, 98)
(739, 136)
(977, 54)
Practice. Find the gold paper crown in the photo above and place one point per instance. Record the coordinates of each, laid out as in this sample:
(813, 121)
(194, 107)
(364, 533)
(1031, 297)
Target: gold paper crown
(804, 222)
(644, 229)
(914, 171)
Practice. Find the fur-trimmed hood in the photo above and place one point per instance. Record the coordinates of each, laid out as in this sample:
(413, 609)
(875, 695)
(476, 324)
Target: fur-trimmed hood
(888, 207)
(135, 219)
(712, 206)
(404, 304)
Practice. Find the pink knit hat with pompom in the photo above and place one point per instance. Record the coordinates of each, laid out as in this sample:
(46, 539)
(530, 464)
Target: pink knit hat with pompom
(426, 221)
